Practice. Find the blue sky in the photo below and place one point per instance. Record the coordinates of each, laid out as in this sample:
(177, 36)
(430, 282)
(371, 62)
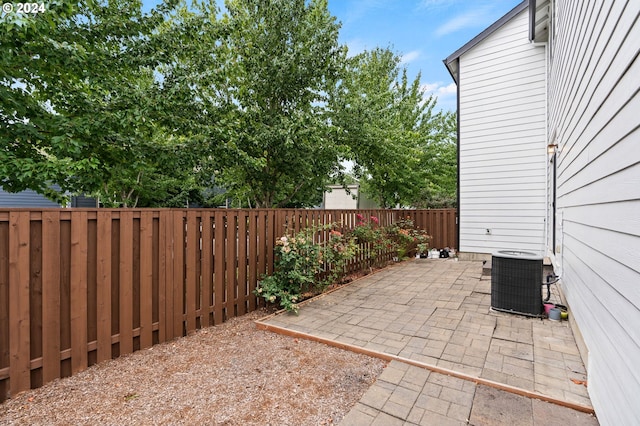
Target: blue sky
(423, 32)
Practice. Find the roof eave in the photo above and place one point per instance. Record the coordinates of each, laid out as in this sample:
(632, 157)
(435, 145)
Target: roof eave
(480, 37)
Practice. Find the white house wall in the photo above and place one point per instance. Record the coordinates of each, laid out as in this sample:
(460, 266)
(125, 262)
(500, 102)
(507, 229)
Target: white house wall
(503, 142)
(594, 109)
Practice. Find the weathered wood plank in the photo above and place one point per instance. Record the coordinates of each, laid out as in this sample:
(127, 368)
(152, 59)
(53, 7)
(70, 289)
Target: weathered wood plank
(78, 292)
(50, 295)
(104, 286)
(191, 253)
(126, 282)
(178, 273)
(146, 279)
(219, 268)
(207, 268)
(19, 315)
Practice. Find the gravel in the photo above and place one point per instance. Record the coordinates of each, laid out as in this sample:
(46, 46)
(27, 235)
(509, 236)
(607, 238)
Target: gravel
(230, 374)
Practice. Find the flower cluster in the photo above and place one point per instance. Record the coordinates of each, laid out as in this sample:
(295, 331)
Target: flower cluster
(298, 261)
(407, 238)
(303, 265)
(369, 231)
(337, 252)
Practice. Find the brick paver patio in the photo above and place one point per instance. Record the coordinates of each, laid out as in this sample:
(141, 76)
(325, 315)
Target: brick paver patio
(432, 317)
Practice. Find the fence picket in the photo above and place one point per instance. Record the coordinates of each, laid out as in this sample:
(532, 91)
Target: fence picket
(19, 344)
(146, 279)
(178, 274)
(232, 271)
(253, 258)
(50, 295)
(104, 286)
(78, 291)
(191, 253)
(243, 294)
(126, 282)
(219, 268)
(207, 268)
(74, 282)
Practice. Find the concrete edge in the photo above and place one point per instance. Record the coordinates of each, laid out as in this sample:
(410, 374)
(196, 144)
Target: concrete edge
(389, 357)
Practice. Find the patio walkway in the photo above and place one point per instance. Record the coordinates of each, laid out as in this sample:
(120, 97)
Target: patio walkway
(452, 360)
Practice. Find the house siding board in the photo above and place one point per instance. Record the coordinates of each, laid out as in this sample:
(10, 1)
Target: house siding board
(502, 91)
(488, 104)
(610, 364)
(26, 198)
(593, 108)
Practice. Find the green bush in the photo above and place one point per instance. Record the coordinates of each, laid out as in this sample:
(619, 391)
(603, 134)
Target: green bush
(336, 253)
(302, 265)
(369, 231)
(298, 261)
(407, 238)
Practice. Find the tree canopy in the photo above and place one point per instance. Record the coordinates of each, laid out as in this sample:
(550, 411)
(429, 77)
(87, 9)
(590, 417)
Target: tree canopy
(391, 130)
(258, 99)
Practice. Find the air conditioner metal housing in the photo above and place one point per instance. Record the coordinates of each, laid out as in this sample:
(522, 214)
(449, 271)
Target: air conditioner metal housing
(516, 282)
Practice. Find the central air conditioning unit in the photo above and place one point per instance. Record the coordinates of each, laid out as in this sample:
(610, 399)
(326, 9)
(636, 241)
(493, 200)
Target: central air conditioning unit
(516, 282)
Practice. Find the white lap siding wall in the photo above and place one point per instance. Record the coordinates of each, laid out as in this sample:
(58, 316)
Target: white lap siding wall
(594, 111)
(502, 92)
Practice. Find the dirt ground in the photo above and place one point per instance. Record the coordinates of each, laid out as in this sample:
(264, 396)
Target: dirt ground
(231, 374)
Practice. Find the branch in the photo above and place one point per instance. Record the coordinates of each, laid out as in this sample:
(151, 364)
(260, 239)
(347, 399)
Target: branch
(295, 190)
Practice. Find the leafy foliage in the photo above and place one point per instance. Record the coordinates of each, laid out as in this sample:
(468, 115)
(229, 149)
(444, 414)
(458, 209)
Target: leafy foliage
(298, 261)
(33, 152)
(336, 254)
(80, 107)
(407, 238)
(390, 128)
(281, 57)
(151, 109)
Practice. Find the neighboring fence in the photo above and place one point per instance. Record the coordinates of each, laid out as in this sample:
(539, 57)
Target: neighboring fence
(80, 286)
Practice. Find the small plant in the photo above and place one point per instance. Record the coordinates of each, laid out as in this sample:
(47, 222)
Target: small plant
(407, 238)
(366, 230)
(336, 253)
(298, 261)
(369, 231)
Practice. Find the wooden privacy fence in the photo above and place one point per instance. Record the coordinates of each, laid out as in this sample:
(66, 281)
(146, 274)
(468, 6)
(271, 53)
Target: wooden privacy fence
(81, 286)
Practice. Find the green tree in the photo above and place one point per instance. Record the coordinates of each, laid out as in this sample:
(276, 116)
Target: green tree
(389, 126)
(82, 106)
(281, 58)
(33, 152)
(440, 164)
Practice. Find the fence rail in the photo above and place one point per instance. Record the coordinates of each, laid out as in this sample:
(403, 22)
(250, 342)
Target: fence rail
(80, 286)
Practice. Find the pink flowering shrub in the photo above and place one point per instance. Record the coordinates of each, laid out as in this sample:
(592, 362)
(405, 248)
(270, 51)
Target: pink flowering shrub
(303, 265)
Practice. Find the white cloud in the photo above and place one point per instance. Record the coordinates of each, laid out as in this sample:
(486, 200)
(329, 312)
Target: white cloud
(446, 94)
(472, 19)
(436, 4)
(438, 88)
(410, 56)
